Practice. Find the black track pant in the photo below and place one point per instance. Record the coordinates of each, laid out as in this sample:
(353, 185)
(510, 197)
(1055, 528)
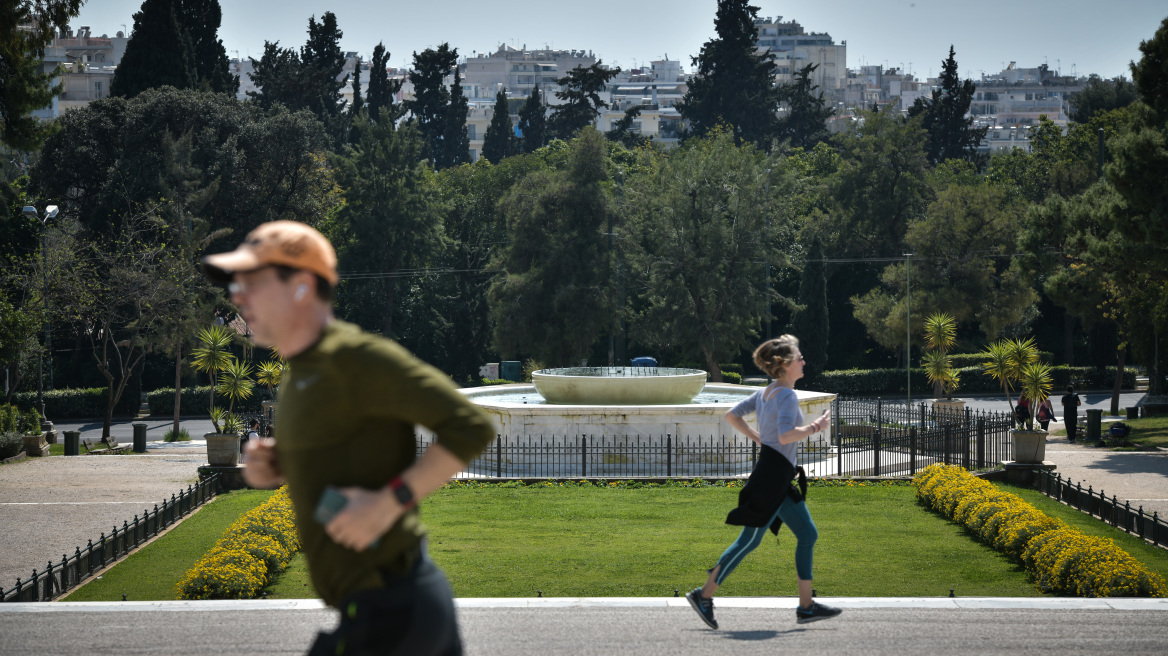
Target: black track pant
(411, 615)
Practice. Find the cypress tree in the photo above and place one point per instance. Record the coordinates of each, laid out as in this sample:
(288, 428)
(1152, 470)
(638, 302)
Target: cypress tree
(381, 89)
(200, 21)
(431, 97)
(455, 141)
(734, 83)
(810, 323)
(533, 122)
(157, 54)
(499, 141)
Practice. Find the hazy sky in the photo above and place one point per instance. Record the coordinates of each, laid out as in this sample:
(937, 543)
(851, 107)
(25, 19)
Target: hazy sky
(1081, 36)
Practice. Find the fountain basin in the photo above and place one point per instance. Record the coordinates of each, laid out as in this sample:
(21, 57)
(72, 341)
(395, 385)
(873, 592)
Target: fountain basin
(520, 411)
(621, 386)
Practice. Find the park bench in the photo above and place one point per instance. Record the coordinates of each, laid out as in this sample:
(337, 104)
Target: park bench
(111, 446)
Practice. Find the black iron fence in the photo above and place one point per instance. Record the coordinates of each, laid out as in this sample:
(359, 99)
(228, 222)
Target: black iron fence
(57, 579)
(1118, 513)
(874, 437)
(869, 437)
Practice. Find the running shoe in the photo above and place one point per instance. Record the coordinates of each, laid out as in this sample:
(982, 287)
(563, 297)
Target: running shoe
(817, 612)
(704, 607)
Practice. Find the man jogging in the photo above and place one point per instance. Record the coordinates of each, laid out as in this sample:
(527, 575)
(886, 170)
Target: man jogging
(348, 407)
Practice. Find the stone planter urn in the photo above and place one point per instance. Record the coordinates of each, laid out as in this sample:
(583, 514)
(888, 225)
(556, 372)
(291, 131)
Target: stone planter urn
(36, 446)
(1029, 446)
(222, 449)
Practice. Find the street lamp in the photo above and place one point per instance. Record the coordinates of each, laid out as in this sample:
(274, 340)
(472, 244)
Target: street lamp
(31, 212)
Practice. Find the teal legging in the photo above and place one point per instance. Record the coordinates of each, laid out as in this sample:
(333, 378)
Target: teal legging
(794, 514)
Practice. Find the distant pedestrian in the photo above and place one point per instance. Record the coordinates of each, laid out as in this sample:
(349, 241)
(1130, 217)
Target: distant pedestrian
(1045, 413)
(1071, 403)
(1022, 411)
(769, 498)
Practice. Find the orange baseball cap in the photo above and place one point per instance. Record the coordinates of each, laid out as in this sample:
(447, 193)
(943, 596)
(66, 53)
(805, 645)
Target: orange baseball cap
(284, 243)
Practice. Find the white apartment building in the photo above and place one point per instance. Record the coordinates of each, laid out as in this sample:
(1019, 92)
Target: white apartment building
(875, 85)
(88, 64)
(794, 48)
(1019, 96)
(519, 70)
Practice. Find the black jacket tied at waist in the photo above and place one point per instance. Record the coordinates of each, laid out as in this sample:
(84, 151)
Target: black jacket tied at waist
(769, 484)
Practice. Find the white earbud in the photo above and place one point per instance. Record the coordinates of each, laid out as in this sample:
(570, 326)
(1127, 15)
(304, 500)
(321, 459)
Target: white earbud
(300, 292)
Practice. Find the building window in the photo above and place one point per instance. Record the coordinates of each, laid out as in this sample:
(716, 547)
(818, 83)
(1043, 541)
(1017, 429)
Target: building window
(470, 131)
(97, 90)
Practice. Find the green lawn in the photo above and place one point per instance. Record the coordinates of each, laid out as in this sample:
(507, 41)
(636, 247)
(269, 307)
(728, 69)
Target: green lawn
(874, 541)
(573, 541)
(151, 573)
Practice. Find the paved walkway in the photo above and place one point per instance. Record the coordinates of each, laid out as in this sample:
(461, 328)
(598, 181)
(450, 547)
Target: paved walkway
(515, 627)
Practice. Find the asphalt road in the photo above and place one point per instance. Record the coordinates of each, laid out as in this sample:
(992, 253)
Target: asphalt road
(584, 631)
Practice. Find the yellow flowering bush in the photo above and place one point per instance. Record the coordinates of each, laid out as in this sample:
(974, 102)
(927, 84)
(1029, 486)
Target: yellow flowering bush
(1062, 560)
(256, 546)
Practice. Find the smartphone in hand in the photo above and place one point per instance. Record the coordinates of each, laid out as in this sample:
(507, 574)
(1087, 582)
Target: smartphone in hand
(331, 503)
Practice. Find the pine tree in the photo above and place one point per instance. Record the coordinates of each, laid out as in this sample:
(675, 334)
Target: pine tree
(734, 83)
(455, 141)
(805, 123)
(533, 122)
(951, 134)
(499, 141)
(158, 53)
(810, 323)
(200, 21)
(580, 89)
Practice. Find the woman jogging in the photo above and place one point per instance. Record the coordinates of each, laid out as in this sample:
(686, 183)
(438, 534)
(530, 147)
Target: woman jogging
(769, 499)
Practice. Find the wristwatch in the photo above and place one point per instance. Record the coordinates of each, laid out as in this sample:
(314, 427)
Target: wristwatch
(403, 493)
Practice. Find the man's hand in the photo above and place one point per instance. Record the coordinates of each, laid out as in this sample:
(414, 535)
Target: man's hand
(365, 518)
(262, 470)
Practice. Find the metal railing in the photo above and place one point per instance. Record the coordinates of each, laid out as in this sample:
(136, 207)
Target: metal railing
(74, 570)
(1117, 513)
(874, 437)
(869, 437)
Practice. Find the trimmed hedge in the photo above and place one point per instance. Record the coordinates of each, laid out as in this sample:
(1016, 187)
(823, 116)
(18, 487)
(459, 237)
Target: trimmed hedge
(1062, 560)
(196, 401)
(892, 381)
(81, 403)
(731, 377)
(251, 551)
(961, 360)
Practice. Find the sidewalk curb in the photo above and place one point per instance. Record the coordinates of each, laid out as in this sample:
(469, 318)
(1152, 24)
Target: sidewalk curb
(780, 603)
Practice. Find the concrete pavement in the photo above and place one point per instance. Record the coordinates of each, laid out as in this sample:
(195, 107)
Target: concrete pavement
(514, 627)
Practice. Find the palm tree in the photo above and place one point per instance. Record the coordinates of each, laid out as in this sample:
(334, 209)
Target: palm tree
(1005, 361)
(235, 382)
(213, 356)
(940, 337)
